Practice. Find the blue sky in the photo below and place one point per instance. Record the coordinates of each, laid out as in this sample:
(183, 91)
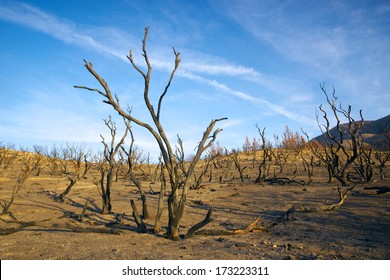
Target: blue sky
(255, 62)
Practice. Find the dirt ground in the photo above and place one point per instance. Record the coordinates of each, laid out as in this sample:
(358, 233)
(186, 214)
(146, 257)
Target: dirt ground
(359, 229)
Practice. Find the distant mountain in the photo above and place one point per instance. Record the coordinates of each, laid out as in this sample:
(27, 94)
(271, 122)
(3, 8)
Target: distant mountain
(373, 133)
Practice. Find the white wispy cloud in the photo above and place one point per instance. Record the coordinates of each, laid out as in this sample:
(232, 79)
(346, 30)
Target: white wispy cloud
(340, 41)
(294, 34)
(59, 28)
(230, 123)
(70, 32)
(247, 97)
(194, 65)
(202, 63)
(199, 62)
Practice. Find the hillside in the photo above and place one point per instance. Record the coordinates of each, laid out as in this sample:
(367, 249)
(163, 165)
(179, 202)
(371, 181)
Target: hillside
(373, 132)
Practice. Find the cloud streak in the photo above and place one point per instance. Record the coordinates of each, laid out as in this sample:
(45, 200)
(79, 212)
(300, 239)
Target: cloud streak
(292, 29)
(247, 97)
(329, 40)
(66, 31)
(198, 64)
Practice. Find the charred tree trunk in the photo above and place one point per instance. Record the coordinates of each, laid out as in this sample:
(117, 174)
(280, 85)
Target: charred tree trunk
(138, 220)
(106, 198)
(145, 213)
(237, 163)
(308, 167)
(264, 157)
(73, 181)
(199, 225)
(175, 213)
(163, 186)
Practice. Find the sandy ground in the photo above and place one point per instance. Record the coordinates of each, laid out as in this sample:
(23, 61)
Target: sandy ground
(359, 229)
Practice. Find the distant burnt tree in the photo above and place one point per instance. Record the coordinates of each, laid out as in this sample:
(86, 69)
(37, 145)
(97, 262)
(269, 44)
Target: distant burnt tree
(337, 153)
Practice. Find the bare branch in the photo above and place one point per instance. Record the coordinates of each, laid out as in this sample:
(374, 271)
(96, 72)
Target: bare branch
(177, 62)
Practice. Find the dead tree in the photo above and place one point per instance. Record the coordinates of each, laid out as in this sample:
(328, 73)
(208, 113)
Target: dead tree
(364, 164)
(238, 164)
(383, 157)
(131, 161)
(254, 148)
(38, 159)
(281, 156)
(338, 154)
(7, 157)
(206, 164)
(24, 173)
(53, 157)
(221, 161)
(179, 189)
(77, 158)
(319, 151)
(108, 165)
(262, 174)
(308, 166)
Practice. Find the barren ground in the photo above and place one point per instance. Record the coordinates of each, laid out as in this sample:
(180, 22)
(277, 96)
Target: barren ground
(359, 229)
